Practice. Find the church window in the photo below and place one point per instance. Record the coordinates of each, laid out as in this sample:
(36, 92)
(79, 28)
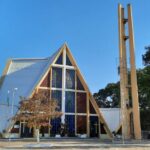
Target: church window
(70, 102)
(60, 59)
(79, 84)
(68, 62)
(81, 124)
(70, 79)
(81, 102)
(57, 77)
(57, 95)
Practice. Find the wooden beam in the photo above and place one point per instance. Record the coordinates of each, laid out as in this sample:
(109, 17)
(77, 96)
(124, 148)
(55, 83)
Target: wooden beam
(125, 118)
(75, 103)
(102, 120)
(5, 72)
(43, 88)
(88, 115)
(134, 88)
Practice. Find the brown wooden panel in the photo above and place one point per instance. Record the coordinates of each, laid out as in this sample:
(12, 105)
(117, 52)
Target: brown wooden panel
(81, 125)
(81, 103)
(46, 81)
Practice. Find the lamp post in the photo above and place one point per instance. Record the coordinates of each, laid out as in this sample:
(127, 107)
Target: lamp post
(13, 95)
(12, 106)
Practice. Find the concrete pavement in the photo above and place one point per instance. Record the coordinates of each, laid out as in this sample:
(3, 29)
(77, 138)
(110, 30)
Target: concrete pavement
(74, 144)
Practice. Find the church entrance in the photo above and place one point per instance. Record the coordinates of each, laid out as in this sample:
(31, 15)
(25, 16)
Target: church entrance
(26, 132)
(94, 126)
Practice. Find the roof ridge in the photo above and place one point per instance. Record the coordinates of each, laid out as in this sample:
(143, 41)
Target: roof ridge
(17, 59)
(44, 58)
(50, 61)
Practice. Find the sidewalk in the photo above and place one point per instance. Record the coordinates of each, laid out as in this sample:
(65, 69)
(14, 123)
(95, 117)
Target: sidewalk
(70, 144)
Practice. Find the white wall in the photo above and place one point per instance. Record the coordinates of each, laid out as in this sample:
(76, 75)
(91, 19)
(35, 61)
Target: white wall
(112, 117)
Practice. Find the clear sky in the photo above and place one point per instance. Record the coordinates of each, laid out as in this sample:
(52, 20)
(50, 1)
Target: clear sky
(37, 28)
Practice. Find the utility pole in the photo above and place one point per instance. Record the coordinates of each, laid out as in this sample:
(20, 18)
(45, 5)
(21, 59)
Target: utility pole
(126, 109)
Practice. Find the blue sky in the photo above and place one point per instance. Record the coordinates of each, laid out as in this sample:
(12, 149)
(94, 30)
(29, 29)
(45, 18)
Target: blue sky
(37, 28)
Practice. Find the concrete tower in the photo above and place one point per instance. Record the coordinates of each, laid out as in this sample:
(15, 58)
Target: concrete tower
(130, 114)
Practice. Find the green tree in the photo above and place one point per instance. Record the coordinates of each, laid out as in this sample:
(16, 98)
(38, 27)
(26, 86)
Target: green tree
(109, 96)
(143, 78)
(146, 56)
(144, 91)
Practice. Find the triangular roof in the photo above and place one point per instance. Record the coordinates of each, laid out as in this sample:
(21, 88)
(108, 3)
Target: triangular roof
(23, 74)
(29, 74)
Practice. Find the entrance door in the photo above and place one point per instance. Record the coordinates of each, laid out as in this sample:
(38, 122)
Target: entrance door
(94, 126)
(26, 132)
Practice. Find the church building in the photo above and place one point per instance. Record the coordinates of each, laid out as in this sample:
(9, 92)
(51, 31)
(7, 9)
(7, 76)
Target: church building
(59, 77)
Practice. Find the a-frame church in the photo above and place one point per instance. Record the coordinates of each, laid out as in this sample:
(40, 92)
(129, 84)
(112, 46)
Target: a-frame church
(60, 77)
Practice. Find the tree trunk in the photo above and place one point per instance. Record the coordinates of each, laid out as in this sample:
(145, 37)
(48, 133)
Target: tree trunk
(38, 135)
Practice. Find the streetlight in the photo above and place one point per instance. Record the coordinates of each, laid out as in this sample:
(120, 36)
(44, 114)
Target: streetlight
(12, 107)
(13, 95)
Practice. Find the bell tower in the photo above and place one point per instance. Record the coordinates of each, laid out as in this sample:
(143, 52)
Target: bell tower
(130, 115)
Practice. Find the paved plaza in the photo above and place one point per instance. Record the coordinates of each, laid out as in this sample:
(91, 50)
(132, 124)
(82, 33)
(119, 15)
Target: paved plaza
(73, 144)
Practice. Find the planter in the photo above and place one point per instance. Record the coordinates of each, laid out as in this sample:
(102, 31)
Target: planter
(57, 136)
